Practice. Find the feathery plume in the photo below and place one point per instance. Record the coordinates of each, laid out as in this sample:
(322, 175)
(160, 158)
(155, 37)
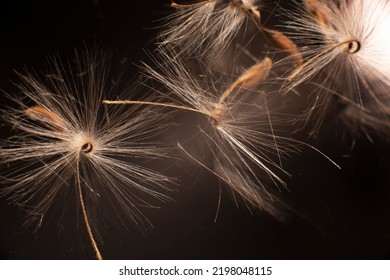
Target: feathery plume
(67, 146)
(212, 22)
(241, 139)
(343, 41)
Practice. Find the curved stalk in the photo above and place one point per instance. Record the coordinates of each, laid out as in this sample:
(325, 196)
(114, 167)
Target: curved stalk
(302, 66)
(86, 221)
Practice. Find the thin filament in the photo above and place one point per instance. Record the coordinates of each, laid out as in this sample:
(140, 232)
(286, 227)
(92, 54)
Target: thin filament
(86, 221)
(184, 6)
(169, 105)
(302, 66)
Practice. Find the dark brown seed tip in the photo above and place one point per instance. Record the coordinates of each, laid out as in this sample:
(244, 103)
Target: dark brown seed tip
(86, 148)
(353, 46)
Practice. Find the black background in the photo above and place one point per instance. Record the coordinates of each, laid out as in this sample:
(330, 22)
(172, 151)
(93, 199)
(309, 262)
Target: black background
(347, 211)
